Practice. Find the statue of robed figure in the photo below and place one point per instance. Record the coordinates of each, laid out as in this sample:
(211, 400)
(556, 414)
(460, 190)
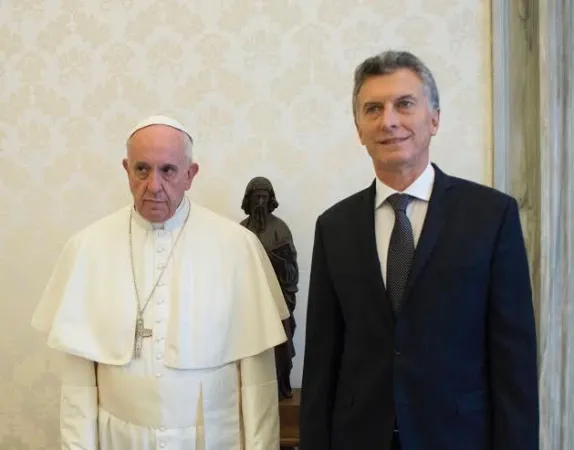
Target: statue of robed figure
(259, 202)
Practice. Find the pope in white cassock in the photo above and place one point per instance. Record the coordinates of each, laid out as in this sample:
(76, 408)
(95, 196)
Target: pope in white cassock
(167, 315)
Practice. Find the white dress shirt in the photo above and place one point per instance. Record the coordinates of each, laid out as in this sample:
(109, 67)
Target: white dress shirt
(421, 190)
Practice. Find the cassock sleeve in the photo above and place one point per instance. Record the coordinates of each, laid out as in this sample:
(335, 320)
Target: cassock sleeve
(260, 404)
(79, 405)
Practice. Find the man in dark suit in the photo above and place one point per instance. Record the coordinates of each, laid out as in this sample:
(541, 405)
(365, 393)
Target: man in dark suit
(420, 326)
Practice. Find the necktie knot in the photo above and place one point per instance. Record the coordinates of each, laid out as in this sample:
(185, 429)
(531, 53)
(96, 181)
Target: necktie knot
(399, 202)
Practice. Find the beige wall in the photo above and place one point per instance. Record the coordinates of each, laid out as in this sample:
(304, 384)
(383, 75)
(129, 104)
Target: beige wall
(265, 86)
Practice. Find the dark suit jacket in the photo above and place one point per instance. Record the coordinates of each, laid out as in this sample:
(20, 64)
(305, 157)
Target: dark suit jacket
(458, 367)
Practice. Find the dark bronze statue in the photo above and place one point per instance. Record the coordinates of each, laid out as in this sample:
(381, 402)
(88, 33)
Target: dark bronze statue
(259, 202)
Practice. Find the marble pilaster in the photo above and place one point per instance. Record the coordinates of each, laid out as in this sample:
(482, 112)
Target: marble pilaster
(533, 79)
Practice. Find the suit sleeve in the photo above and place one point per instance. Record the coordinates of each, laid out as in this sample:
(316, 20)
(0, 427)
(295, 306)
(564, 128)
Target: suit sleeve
(512, 341)
(260, 401)
(323, 343)
(79, 405)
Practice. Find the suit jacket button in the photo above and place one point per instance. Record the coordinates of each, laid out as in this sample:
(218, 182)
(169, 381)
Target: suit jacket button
(397, 352)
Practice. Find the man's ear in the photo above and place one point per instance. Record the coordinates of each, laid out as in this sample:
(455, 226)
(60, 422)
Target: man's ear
(435, 121)
(191, 173)
(125, 164)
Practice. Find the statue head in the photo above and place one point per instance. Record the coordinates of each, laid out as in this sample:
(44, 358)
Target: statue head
(258, 202)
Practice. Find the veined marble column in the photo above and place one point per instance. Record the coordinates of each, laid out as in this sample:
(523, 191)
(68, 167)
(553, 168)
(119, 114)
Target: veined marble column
(533, 83)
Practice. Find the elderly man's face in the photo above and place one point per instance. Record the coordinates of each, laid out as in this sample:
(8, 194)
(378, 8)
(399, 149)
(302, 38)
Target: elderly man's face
(159, 171)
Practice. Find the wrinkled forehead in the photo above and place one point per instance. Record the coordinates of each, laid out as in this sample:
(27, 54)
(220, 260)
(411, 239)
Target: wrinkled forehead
(160, 141)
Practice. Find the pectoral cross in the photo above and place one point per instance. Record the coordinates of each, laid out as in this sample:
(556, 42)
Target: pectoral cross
(141, 332)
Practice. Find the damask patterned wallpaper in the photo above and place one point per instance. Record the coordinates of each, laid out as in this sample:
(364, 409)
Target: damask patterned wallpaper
(264, 85)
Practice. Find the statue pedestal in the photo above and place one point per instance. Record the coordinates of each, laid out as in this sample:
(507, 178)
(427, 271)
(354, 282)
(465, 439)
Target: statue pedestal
(289, 420)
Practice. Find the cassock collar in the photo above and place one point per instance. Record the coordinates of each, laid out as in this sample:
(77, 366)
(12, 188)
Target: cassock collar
(421, 188)
(172, 223)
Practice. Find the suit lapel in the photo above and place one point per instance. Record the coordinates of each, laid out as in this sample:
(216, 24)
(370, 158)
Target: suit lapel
(433, 224)
(367, 247)
(367, 243)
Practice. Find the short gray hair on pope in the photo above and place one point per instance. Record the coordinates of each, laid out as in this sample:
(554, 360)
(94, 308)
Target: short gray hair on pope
(390, 61)
(168, 121)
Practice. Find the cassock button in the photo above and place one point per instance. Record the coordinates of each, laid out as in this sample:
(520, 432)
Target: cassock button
(159, 356)
(162, 444)
(160, 249)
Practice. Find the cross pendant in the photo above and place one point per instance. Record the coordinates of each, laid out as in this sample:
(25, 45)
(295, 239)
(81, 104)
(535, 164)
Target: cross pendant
(141, 332)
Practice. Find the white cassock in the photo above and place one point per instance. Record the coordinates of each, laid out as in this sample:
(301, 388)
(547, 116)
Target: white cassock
(206, 378)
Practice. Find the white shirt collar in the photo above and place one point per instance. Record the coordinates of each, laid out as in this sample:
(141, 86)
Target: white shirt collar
(173, 222)
(421, 188)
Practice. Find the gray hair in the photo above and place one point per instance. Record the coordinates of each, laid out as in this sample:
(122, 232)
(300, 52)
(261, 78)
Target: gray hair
(388, 62)
(188, 146)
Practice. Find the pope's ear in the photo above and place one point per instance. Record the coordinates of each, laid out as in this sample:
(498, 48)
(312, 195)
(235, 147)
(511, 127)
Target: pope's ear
(192, 172)
(125, 164)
